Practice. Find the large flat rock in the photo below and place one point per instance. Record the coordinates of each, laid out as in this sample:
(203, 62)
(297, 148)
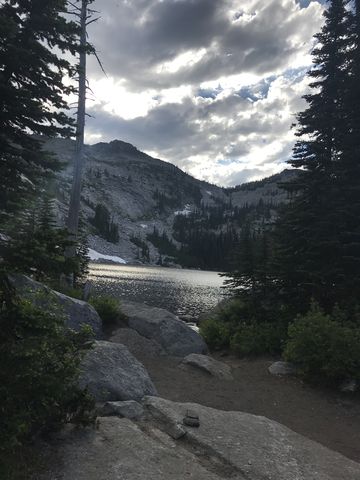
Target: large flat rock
(120, 450)
(111, 373)
(256, 447)
(173, 335)
(76, 312)
(231, 445)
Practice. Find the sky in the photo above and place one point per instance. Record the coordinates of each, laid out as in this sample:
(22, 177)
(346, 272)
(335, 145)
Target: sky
(212, 86)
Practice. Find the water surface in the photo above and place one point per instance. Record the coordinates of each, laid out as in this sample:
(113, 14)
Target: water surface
(187, 293)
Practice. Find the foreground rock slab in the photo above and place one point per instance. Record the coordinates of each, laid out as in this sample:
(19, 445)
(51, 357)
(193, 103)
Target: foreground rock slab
(76, 312)
(111, 373)
(207, 364)
(174, 336)
(232, 445)
(121, 450)
(254, 447)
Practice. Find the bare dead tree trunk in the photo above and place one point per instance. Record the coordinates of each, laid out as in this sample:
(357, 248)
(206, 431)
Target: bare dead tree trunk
(74, 208)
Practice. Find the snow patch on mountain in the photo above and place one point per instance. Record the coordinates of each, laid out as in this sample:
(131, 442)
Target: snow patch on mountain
(96, 256)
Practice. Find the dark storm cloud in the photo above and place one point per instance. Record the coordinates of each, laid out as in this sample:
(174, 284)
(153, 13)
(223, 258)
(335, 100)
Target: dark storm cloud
(141, 34)
(135, 37)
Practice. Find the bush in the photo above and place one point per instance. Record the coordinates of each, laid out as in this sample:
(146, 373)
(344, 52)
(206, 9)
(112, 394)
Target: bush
(38, 379)
(323, 348)
(233, 311)
(108, 309)
(215, 333)
(258, 339)
(239, 324)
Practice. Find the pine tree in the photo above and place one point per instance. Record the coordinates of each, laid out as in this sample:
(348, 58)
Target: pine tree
(348, 172)
(37, 245)
(313, 230)
(32, 93)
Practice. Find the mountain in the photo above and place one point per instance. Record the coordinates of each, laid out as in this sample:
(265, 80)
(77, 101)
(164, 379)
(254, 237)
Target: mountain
(146, 210)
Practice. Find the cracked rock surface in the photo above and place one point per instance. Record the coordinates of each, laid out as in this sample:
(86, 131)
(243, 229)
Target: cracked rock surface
(232, 445)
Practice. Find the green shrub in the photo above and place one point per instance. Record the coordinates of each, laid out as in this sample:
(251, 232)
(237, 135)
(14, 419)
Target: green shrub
(108, 309)
(323, 348)
(258, 339)
(233, 312)
(215, 333)
(38, 379)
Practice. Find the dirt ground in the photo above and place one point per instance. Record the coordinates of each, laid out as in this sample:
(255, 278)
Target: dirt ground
(328, 417)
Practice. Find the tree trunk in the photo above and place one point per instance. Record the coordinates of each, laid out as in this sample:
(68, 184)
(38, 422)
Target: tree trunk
(74, 208)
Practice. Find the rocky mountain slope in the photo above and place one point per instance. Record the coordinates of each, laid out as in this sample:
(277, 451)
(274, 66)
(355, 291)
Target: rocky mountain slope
(136, 207)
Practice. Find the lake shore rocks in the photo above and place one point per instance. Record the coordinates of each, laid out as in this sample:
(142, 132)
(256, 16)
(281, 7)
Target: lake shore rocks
(111, 373)
(76, 312)
(207, 364)
(233, 445)
(174, 336)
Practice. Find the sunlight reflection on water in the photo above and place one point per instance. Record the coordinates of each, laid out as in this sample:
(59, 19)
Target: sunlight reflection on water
(183, 292)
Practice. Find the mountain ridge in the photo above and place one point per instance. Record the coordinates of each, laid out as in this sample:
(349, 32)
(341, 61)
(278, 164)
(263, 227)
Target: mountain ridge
(145, 196)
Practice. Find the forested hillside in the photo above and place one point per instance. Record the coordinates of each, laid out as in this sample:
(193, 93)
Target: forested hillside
(146, 210)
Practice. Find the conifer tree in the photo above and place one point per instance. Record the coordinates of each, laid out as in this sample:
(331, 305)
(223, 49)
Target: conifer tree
(32, 92)
(312, 231)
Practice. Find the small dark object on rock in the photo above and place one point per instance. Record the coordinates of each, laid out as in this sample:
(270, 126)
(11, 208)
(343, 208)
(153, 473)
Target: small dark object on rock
(191, 419)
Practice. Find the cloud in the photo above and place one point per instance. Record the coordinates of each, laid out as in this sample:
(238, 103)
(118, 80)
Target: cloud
(212, 86)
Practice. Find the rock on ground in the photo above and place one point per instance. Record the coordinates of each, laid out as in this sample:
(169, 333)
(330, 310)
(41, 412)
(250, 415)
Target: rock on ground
(76, 312)
(174, 336)
(282, 368)
(111, 373)
(209, 365)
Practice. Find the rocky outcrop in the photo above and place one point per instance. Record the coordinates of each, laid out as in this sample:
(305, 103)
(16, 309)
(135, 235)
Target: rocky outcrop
(76, 312)
(282, 368)
(232, 445)
(111, 373)
(174, 336)
(207, 364)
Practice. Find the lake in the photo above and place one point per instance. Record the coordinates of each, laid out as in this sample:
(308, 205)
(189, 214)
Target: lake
(186, 293)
